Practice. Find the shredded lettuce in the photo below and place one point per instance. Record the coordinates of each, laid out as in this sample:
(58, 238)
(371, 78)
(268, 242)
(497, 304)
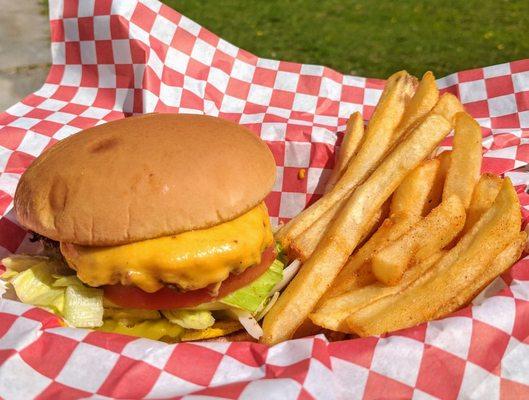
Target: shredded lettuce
(44, 282)
(35, 286)
(22, 262)
(83, 306)
(251, 297)
(190, 319)
(8, 274)
(280, 253)
(65, 281)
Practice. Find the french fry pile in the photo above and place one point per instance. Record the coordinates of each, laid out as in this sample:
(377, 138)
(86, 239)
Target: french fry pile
(401, 236)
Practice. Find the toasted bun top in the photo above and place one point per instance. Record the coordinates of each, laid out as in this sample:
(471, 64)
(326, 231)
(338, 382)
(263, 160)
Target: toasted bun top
(144, 177)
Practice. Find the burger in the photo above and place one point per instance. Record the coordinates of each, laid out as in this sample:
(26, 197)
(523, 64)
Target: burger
(159, 228)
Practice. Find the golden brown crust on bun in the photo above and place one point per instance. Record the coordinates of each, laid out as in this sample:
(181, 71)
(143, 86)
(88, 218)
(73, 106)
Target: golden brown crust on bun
(144, 177)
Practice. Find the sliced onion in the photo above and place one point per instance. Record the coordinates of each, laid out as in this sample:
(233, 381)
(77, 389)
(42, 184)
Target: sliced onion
(272, 301)
(3, 287)
(288, 273)
(249, 323)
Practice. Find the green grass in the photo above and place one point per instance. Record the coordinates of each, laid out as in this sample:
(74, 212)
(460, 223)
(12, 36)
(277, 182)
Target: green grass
(371, 38)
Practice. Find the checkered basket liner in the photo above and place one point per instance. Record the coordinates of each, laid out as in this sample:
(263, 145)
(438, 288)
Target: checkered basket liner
(112, 59)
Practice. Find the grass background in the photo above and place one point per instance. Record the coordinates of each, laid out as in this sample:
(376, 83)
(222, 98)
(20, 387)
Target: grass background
(371, 38)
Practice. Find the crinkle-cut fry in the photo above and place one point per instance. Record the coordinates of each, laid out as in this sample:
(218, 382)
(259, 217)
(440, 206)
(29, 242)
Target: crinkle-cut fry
(429, 235)
(506, 259)
(483, 196)
(465, 160)
(333, 312)
(414, 194)
(353, 135)
(460, 266)
(344, 234)
(422, 102)
(448, 106)
(378, 140)
(303, 246)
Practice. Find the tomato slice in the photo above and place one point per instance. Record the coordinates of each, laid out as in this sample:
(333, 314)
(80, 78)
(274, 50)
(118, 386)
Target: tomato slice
(167, 298)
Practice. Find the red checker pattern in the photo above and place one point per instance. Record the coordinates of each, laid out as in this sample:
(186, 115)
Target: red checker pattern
(194, 363)
(441, 373)
(118, 384)
(49, 353)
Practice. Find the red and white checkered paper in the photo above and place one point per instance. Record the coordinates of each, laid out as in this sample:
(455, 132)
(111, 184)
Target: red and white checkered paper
(112, 59)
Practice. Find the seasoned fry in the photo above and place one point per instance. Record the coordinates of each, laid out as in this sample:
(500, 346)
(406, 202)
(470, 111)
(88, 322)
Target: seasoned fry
(354, 133)
(357, 271)
(414, 195)
(307, 328)
(446, 280)
(436, 194)
(376, 222)
(428, 236)
(344, 234)
(303, 246)
(483, 196)
(378, 140)
(448, 106)
(332, 313)
(465, 160)
(501, 263)
(424, 99)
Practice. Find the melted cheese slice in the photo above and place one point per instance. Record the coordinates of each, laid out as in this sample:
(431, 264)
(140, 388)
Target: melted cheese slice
(190, 260)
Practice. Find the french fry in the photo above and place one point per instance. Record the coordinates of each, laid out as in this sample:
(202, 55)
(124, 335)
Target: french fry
(333, 312)
(436, 194)
(307, 328)
(357, 271)
(424, 99)
(414, 195)
(428, 236)
(303, 246)
(446, 280)
(483, 196)
(376, 222)
(354, 133)
(344, 234)
(448, 106)
(465, 160)
(499, 265)
(378, 140)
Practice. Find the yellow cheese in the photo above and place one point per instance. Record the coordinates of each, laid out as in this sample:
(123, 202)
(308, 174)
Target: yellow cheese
(166, 331)
(190, 260)
(154, 330)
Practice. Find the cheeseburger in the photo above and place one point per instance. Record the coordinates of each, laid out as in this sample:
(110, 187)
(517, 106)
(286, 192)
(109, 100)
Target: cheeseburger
(160, 227)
